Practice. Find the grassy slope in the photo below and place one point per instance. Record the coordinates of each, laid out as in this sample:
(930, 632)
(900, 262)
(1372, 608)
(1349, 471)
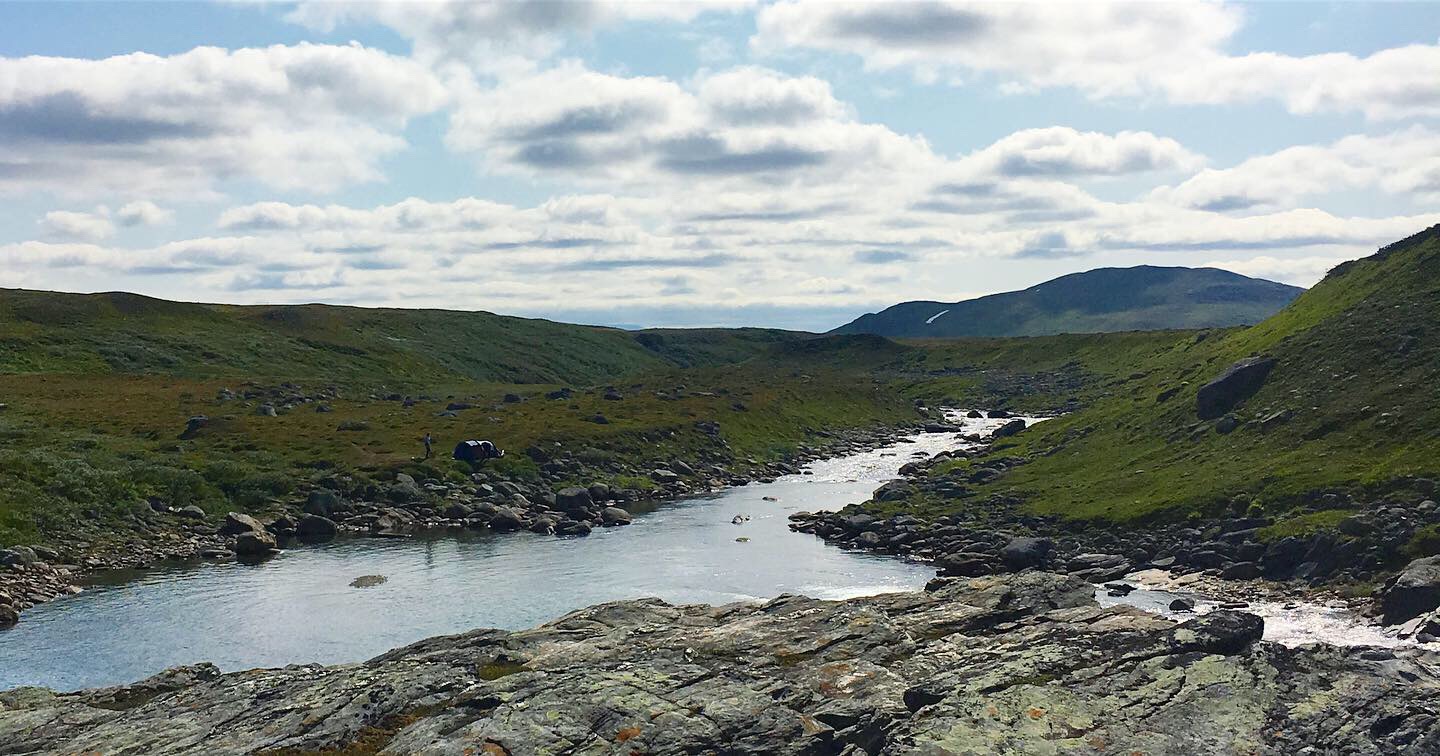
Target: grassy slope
(45, 332)
(99, 387)
(1358, 365)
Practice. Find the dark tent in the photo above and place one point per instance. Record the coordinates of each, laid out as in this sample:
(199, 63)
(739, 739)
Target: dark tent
(475, 452)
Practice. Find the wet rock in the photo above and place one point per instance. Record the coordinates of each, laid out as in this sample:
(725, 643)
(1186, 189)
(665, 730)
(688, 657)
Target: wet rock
(507, 520)
(1010, 428)
(572, 528)
(1412, 592)
(8, 615)
(314, 528)
(895, 490)
(613, 516)
(368, 581)
(1182, 605)
(1238, 383)
(255, 543)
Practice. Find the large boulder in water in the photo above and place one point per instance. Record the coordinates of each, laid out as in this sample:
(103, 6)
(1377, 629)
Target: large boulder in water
(507, 520)
(1238, 383)
(255, 543)
(612, 516)
(1413, 592)
(1010, 428)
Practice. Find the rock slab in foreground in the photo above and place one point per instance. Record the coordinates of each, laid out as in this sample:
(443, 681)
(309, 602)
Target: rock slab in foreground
(1023, 663)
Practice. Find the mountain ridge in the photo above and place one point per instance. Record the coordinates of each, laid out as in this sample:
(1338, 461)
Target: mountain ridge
(1138, 298)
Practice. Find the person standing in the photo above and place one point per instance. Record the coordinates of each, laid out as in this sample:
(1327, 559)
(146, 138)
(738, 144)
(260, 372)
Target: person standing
(427, 441)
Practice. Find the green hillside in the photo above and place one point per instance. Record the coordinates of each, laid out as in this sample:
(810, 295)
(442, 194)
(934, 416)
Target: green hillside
(47, 332)
(1143, 298)
(1352, 402)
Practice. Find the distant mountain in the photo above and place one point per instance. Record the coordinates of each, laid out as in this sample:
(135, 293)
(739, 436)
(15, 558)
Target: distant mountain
(1105, 299)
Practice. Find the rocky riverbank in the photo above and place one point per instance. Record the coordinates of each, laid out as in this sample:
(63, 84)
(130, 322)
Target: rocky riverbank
(1367, 549)
(488, 501)
(1022, 663)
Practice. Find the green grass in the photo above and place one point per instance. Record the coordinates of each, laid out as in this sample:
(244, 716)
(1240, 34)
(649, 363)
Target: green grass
(1353, 397)
(1304, 525)
(47, 332)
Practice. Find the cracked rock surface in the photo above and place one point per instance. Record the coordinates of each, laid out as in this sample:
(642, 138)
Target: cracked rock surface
(1021, 663)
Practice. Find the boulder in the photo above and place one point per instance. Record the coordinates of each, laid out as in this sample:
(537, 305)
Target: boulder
(613, 516)
(237, 523)
(1025, 551)
(663, 475)
(1182, 605)
(314, 528)
(21, 555)
(266, 410)
(1010, 428)
(572, 500)
(8, 615)
(1222, 632)
(405, 489)
(321, 503)
(191, 512)
(1411, 593)
(1238, 383)
(895, 490)
(255, 543)
(193, 426)
(507, 520)
(572, 528)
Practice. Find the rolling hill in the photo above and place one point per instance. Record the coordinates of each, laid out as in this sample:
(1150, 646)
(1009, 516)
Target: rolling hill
(1144, 298)
(121, 333)
(1348, 402)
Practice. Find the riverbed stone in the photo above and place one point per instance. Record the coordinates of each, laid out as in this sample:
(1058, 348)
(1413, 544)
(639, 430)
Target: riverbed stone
(237, 523)
(1021, 663)
(255, 543)
(1412, 592)
(613, 516)
(314, 528)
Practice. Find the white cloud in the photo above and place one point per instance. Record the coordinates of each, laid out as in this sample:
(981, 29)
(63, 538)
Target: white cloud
(143, 213)
(1298, 271)
(497, 36)
(1401, 163)
(1059, 151)
(305, 116)
(1172, 50)
(745, 125)
(66, 224)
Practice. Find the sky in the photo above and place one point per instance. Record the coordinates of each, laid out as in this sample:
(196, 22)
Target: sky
(786, 164)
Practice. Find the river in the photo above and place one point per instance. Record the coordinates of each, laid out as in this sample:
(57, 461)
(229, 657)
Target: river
(300, 606)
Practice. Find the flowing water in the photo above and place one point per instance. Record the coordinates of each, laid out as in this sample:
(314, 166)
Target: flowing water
(301, 606)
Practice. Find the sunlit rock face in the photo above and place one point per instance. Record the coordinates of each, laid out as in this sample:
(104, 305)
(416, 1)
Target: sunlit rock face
(1019, 663)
